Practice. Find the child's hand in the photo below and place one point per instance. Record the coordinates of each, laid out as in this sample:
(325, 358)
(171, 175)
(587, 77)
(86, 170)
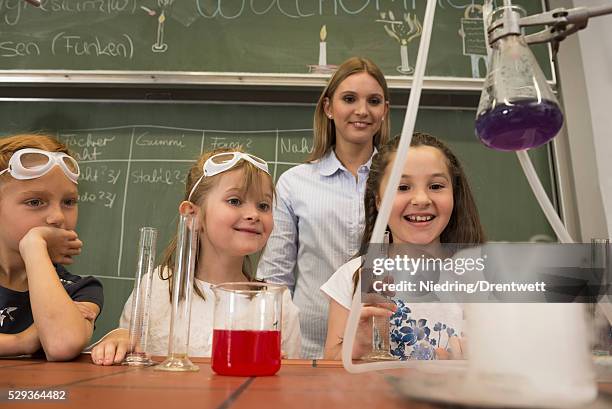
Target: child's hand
(112, 349)
(363, 339)
(87, 313)
(456, 349)
(61, 244)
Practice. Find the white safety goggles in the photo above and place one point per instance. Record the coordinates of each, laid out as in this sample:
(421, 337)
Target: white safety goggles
(31, 163)
(225, 161)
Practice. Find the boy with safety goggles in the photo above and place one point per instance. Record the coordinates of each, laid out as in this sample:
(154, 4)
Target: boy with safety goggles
(43, 307)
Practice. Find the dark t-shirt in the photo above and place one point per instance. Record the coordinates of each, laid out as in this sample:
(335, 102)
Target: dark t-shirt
(16, 311)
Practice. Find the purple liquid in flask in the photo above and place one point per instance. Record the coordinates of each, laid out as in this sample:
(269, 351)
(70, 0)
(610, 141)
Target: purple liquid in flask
(522, 124)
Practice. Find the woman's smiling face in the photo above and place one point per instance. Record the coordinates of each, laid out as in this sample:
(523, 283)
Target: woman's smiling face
(357, 108)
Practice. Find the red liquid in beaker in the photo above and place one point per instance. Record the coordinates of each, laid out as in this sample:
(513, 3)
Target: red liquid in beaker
(246, 353)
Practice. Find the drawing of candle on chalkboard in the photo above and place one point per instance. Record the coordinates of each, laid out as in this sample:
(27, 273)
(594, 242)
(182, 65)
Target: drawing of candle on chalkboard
(322, 67)
(160, 46)
(404, 31)
(473, 36)
(323, 47)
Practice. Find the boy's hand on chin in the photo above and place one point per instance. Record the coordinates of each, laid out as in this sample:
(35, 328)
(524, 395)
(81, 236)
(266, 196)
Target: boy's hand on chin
(61, 244)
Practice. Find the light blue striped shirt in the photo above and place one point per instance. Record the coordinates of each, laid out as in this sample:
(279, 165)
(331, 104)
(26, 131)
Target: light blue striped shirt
(318, 222)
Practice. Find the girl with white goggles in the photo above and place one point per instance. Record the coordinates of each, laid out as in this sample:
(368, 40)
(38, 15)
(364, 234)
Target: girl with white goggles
(225, 161)
(31, 163)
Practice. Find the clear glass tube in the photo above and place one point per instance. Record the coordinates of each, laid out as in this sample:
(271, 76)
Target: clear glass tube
(601, 324)
(381, 331)
(141, 299)
(182, 292)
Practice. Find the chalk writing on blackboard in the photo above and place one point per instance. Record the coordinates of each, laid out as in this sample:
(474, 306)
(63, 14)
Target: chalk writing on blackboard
(158, 175)
(12, 10)
(473, 36)
(68, 44)
(232, 9)
(303, 145)
(19, 49)
(106, 199)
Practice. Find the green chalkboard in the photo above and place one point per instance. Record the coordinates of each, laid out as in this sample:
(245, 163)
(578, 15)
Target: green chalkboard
(134, 158)
(250, 36)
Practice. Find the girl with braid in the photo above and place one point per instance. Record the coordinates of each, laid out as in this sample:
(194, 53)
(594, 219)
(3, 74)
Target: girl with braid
(433, 205)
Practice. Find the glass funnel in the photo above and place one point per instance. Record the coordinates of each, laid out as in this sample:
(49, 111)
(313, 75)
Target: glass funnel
(517, 108)
(247, 329)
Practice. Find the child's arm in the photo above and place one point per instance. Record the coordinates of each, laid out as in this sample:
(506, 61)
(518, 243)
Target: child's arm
(23, 343)
(27, 342)
(336, 321)
(62, 329)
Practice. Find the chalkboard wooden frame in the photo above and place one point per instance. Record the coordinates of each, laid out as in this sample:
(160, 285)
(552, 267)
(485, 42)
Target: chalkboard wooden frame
(219, 78)
(158, 78)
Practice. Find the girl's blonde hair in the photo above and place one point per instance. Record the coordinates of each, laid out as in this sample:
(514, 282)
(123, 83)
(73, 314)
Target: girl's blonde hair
(324, 128)
(254, 180)
(12, 144)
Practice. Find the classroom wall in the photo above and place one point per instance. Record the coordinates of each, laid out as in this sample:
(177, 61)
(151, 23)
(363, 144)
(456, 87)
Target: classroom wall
(584, 68)
(596, 46)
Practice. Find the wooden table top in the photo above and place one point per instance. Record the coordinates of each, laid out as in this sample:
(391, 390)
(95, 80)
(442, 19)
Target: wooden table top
(299, 384)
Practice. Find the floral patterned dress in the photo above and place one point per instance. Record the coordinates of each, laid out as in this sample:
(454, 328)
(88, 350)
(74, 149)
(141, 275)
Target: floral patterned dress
(417, 338)
(416, 328)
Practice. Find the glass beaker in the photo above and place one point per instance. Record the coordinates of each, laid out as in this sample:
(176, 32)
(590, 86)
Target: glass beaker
(517, 108)
(247, 329)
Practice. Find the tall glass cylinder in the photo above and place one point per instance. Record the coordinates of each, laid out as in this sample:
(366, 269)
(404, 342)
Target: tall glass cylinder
(598, 316)
(182, 292)
(141, 299)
